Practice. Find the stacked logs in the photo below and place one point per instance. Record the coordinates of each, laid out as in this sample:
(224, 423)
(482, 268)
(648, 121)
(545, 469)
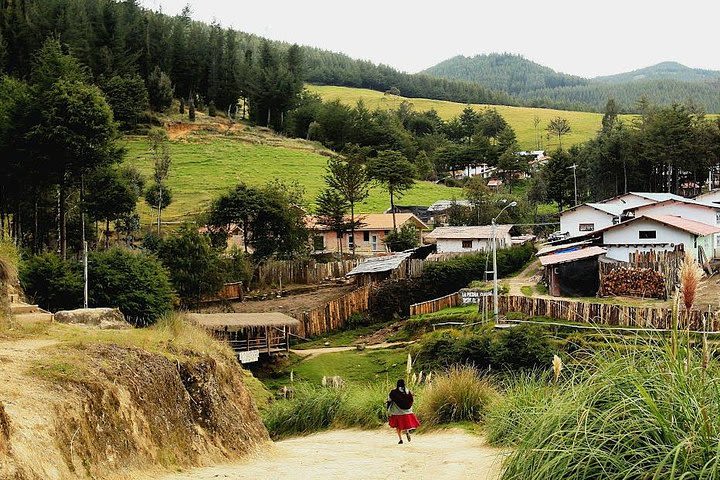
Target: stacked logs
(633, 282)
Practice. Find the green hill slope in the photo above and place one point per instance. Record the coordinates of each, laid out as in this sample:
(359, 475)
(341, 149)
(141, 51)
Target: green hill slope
(206, 164)
(584, 125)
(665, 70)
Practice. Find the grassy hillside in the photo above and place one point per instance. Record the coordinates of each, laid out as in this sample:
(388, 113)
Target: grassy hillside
(206, 164)
(584, 125)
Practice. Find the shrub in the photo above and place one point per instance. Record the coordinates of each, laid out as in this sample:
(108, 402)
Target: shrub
(51, 282)
(523, 346)
(311, 409)
(404, 239)
(459, 394)
(134, 282)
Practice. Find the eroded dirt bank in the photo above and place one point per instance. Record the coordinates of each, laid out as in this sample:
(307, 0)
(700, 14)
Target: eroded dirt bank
(101, 410)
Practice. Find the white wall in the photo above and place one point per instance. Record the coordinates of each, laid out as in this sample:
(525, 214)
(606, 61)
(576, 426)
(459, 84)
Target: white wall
(698, 213)
(454, 245)
(622, 240)
(570, 221)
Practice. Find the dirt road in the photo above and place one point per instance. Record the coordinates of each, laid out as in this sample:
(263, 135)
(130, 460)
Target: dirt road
(368, 455)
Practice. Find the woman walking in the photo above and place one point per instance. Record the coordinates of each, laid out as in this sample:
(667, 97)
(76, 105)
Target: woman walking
(399, 405)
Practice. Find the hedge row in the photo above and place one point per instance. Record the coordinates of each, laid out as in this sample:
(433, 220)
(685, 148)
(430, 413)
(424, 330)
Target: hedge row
(393, 298)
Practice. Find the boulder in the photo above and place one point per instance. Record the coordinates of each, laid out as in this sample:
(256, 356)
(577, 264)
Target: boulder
(104, 318)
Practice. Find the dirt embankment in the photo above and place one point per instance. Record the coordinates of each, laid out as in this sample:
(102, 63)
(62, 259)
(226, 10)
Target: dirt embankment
(106, 411)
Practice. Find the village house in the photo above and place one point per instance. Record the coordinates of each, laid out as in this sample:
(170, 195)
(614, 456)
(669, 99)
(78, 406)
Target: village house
(370, 234)
(658, 233)
(636, 199)
(589, 217)
(469, 239)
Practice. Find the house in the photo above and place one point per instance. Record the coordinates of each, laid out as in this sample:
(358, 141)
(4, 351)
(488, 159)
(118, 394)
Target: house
(573, 272)
(589, 217)
(370, 234)
(703, 212)
(495, 184)
(659, 233)
(635, 199)
(469, 239)
(480, 170)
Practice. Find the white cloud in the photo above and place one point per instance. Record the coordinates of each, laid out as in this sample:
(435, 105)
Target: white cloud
(581, 37)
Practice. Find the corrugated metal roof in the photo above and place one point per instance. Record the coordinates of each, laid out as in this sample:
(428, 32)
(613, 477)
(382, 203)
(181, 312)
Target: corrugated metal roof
(555, 248)
(385, 263)
(658, 196)
(240, 321)
(476, 232)
(442, 205)
(566, 257)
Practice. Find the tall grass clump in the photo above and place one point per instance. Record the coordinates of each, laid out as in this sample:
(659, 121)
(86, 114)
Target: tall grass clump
(311, 409)
(639, 416)
(8, 278)
(527, 396)
(363, 406)
(455, 395)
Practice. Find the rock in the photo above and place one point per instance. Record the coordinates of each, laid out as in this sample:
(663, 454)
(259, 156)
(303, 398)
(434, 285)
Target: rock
(104, 318)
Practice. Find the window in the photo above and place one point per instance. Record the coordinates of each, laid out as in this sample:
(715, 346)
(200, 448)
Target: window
(645, 234)
(586, 227)
(717, 218)
(366, 236)
(318, 242)
(351, 241)
(467, 244)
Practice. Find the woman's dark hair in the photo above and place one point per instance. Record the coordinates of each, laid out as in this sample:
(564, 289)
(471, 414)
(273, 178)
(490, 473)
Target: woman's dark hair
(400, 383)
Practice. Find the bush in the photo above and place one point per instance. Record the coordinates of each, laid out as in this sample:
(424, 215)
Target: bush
(128, 99)
(134, 282)
(459, 394)
(160, 91)
(52, 283)
(404, 239)
(520, 347)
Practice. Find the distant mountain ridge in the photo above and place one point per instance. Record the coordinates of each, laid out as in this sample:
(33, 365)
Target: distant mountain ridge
(538, 85)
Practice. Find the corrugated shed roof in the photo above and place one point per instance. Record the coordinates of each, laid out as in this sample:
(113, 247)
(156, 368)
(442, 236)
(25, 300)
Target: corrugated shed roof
(442, 205)
(572, 256)
(658, 196)
(240, 321)
(477, 232)
(385, 263)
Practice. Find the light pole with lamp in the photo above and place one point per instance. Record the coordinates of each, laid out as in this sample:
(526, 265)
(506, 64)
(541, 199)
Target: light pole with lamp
(496, 314)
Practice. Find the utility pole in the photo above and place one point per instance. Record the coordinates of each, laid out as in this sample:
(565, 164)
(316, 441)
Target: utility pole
(496, 310)
(574, 169)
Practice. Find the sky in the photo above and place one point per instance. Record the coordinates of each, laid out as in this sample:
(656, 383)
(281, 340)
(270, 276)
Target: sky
(580, 37)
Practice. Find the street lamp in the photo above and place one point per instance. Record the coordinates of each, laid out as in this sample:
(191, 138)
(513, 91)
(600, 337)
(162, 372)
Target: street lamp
(496, 315)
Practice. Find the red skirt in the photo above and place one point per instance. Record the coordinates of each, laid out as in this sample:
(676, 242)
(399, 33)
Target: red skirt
(404, 422)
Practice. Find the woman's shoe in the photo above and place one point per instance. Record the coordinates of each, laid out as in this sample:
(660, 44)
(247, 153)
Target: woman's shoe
(400, 442)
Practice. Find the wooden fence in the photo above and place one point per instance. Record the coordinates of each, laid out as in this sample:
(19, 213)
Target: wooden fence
(231, 291)
(600, 313)
(305, 272)
(435, 305)
(333, 315)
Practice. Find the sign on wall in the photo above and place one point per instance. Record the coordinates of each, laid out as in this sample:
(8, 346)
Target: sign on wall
(248, 356)
(470, 297)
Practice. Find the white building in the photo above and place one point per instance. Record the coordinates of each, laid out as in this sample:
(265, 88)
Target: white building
(712, 196)
(469, 239)
(659, 233)
(635, 199)
(589, 217)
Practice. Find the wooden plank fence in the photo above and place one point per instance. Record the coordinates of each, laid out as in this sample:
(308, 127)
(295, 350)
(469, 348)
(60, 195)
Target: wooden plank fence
(305, 272)
(334, 314)
(436, 304)
(600, 313)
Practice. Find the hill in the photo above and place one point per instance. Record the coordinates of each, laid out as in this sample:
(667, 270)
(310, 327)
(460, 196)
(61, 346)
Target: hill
(533, 84)
(662, 71)
(209, 158)
(584, 125)
(506, 72)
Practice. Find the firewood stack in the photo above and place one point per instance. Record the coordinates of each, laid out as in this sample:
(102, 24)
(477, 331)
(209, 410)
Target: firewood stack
(633, 282)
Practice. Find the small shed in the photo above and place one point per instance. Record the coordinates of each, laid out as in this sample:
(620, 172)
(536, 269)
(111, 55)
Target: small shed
(573, 273)
(377, 269)
(249, 334)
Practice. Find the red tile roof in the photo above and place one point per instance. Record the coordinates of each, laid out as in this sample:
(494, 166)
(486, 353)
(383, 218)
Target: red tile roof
(566, 257)
(690, 226)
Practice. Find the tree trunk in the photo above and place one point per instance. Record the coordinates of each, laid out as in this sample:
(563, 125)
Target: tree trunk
(352, 226)
(107, 233)
(159, 207)
(268, 118)
(392, 209)
(61, 219)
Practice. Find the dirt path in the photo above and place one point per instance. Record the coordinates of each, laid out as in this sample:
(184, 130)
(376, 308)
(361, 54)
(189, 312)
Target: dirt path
(314, 352)
(368, 455)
